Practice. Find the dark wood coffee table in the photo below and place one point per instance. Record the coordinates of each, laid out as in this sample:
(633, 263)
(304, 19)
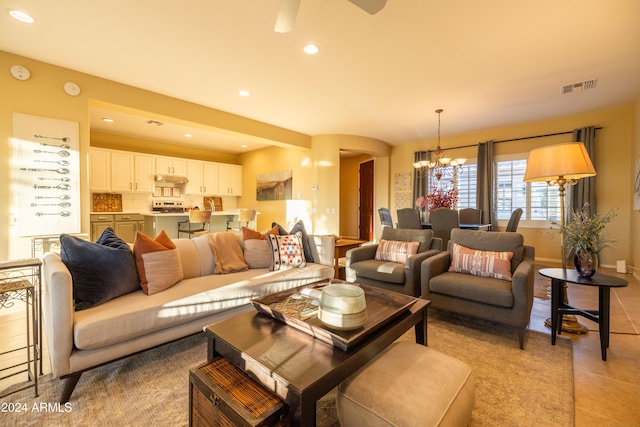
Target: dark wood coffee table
(296, 366)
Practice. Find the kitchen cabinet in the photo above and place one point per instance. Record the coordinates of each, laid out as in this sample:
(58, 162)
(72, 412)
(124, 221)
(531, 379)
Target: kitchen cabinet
(203, 177)
(99, 223)
(171, 166)
(124, 225)
(229, 180)
(99, 170)
(132, 172)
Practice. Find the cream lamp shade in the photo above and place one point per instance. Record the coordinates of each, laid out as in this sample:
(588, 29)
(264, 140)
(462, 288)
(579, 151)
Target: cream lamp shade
(569, 161)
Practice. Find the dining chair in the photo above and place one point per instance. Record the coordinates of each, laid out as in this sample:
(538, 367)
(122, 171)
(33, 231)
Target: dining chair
(443, 220)
(409, 218)
(512, 225)
(470, 216)
(385, 217)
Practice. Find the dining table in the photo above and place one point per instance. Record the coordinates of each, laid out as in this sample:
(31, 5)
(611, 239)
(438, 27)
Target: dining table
(465, 226)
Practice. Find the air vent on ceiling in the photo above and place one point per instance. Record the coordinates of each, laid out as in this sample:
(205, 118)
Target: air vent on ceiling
(154, 122)
(578, 87)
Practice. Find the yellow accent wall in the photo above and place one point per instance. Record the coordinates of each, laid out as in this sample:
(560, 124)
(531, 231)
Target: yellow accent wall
(635, 214)
(614, 170)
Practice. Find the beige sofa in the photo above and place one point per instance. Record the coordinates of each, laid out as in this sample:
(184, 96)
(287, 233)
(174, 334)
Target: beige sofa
(81, 340)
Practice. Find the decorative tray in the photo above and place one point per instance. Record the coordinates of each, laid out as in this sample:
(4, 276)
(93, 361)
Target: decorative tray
(297, 310)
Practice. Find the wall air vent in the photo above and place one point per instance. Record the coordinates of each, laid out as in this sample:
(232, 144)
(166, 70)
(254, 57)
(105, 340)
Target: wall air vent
(154, 122)
(579, 87)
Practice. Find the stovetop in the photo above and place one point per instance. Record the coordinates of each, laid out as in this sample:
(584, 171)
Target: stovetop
(167, 206)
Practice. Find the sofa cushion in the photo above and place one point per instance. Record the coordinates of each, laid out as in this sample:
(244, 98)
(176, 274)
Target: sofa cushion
(383, 271)
(137, 315)
(409, 235)
(396, 251)
(298, 227)
(196, 257)
(227, 252)
(287, 251)
(481, 263)
(100, 271)
(169, 261)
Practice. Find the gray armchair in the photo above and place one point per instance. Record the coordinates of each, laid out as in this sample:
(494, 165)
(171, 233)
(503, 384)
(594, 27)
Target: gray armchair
(497, 300)
(363, 267)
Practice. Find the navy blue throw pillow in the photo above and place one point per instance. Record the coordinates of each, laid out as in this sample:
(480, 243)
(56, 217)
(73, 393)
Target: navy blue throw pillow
(299, 226)
(100, 271)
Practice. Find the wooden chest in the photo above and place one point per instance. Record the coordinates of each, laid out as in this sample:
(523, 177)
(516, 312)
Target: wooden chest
(220, 394)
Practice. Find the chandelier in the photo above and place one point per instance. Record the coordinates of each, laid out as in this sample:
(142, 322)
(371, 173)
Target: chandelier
(438, 165)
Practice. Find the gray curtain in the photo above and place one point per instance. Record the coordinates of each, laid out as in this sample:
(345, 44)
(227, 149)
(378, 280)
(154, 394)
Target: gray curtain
(585, 190)
(485, 194)
(420, 184)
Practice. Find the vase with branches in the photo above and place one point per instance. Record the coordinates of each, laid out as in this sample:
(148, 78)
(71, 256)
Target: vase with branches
(585, 236)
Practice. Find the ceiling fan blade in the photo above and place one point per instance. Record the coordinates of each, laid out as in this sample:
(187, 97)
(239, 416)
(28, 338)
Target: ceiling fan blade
(370, 6)
(287, 16)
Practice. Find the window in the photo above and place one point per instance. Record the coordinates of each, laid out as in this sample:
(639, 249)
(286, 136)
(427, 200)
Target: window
(539, 201)
(465, 183)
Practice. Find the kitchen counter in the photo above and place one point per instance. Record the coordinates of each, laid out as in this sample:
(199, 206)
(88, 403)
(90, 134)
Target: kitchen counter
(154, 222)
(216, 213)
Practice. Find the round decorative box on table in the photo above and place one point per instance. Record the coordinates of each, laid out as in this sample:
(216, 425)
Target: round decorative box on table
(342, 307)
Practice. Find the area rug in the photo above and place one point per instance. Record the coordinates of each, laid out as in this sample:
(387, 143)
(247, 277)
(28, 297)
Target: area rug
(513, 387)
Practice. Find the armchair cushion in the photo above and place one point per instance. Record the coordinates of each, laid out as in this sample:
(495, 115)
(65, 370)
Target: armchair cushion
(481, 263)
(423, 237)
(396, 251)
(486, 290)
(383, 271)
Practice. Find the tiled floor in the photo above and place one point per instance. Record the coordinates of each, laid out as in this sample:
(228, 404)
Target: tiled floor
(606, 393)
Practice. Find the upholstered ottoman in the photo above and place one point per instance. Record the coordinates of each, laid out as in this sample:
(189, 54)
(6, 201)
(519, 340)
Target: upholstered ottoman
(408, 385)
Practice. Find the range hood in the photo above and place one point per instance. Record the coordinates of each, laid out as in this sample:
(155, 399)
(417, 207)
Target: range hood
(177, 179)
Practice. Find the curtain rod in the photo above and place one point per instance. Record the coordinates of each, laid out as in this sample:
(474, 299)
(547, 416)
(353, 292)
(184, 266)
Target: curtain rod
(516, 139)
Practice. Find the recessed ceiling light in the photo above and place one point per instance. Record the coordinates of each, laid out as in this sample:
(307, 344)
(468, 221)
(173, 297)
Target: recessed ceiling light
(188, 135)
(21, 16)
(244, 93)
(244, 146)
(107, 119)
(311, 49)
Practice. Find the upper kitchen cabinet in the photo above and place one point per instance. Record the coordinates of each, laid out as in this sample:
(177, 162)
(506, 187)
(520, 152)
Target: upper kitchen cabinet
(99, 170)
(203, 177)
(229, 180)
(171, 166)
(132, 172)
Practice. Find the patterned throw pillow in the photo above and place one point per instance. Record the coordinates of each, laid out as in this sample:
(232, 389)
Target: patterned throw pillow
(481, 263)
(396, 251)
(287, 251)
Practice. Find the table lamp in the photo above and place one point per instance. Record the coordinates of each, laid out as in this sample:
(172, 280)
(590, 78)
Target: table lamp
(561, 164)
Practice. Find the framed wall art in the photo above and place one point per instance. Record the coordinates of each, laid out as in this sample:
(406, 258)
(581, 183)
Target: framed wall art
(274, 186)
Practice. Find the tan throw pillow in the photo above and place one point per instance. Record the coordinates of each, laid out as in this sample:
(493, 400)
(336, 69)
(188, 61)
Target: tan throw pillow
(481, 263)
(163, 270)
(257, 253)
(143, 245)
(227, 252)
(395, 250)
(287, 251)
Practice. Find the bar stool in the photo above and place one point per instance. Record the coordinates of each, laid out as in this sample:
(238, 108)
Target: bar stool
(244, 216)
(200, 218)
